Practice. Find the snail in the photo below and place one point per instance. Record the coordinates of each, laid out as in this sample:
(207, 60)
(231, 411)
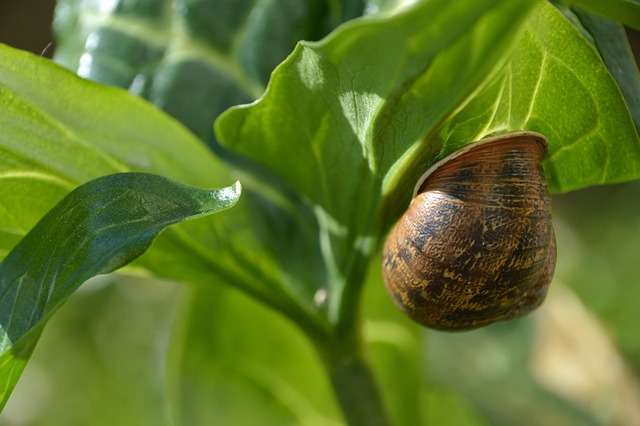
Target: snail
(476, 244)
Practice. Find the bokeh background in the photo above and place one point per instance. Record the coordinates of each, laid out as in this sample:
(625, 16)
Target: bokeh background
(106, 349)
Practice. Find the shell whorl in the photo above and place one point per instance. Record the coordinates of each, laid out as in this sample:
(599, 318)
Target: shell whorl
(476, 244)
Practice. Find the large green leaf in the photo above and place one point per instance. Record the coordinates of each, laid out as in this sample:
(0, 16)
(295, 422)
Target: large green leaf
(556, 84)
(96, 229)
(339, 114)
(60, 131)
(192, 58)
(380, 100)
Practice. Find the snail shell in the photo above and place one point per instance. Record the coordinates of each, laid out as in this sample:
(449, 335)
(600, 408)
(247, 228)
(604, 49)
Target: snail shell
(476, 244)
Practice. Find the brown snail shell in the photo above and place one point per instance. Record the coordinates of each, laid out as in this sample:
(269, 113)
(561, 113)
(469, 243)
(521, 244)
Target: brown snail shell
(476, 244)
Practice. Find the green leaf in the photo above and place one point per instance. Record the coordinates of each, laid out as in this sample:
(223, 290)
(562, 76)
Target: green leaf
(59, 131)
(194, 59)
(96, 229)
(338, 98)
(56, 136)
(338, 114)
(382, 118)
(556, 84)
(626, 12)
(611, 41)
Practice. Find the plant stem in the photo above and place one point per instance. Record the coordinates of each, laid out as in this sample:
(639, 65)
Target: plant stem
(358, 394)
(353, 382)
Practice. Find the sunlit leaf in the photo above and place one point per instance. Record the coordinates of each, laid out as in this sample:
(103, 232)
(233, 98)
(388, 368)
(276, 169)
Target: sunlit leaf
(57, 136)
(59, 131)
(557, 84)
(339, 114)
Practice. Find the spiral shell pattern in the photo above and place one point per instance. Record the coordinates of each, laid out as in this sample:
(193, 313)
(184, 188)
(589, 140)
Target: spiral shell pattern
(476, 244)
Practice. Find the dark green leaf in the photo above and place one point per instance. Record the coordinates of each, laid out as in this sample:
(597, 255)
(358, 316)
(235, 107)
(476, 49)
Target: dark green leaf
(193, 59)
(56, 136)
(611, 41)
(96, 229)
(59, 131)
(626, 12)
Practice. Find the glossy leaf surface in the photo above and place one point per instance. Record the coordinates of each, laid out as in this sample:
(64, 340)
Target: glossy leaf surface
(57, 136)
(611, 41)
(59, 131)
(96, 229)
(192, 58)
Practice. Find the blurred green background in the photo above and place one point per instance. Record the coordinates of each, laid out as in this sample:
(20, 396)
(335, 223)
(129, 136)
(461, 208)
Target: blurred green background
(105, 351)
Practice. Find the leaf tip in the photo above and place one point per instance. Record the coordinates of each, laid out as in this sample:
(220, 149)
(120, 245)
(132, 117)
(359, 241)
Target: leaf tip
(230, 195)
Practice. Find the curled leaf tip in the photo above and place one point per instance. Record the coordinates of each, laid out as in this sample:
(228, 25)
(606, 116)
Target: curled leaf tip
(229, 196)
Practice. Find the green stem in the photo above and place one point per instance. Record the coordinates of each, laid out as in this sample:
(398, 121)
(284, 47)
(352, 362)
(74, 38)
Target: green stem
(353, 381)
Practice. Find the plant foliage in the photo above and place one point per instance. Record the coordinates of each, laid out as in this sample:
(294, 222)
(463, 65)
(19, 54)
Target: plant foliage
(340, 127)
